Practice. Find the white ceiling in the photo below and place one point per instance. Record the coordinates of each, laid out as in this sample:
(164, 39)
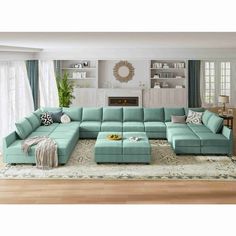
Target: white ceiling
(61, 41)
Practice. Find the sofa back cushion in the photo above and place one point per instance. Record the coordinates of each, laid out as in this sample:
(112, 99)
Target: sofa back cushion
(75, 113)
(34, 121)
(206, 116)
(51, 109)
(173, 112)
(132, 114)
(38, 113)
(153, 114)
(215, 123)
(23, 128)
(197, 109)
(112, 114)
(92, 114)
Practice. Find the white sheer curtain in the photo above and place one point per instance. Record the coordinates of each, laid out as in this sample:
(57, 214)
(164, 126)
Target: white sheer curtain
(16, 99)
(47, 85)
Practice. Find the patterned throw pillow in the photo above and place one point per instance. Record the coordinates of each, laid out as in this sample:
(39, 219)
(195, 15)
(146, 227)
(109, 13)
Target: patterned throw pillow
(194, 117)
(46, 119)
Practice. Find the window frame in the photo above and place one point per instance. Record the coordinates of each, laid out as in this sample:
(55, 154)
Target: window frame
(217, 81)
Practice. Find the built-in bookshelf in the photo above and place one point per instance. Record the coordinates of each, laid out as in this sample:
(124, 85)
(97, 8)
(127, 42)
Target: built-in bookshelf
(168, 74)
(83, 73)
(165, 81)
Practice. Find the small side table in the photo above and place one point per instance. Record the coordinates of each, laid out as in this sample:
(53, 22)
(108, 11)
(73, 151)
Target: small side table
(229, 120)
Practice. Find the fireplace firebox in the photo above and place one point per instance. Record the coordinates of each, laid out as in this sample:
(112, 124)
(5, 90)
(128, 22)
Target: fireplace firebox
(123, 101)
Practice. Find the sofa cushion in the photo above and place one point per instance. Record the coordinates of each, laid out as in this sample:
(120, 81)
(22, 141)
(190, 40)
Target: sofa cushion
(62, 135)
(153, 114)
(151, 126)
(172, 125)
(185, 140)
(199, 128)
(111, 126)
(34, 121)
(211, 139)
(112, 114)
(132, 114)
(38, 113)
(49, 128)
(133, 126)
(173, 112)
(65, 127)
(171, 132)
(23, 128)
(51, 109)
(206, 116)
(75, 113)
(36, 133)
(92, 114)
(90, 126)
(215, 123)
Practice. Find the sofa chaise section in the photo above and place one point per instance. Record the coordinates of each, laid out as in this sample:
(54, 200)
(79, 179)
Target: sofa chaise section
(65, 135)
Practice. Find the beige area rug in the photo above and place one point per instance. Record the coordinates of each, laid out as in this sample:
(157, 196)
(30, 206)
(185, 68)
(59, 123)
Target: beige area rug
(165, 165)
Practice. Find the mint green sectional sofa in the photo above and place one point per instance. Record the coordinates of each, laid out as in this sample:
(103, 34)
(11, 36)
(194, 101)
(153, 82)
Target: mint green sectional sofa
(211, 137)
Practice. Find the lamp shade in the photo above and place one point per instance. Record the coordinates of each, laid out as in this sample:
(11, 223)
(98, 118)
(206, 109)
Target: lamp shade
(223, 99)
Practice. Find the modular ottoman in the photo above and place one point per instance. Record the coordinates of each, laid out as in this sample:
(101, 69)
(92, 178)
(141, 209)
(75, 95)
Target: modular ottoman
(122, 151)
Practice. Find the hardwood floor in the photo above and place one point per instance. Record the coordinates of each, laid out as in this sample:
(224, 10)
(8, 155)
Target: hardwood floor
(122, 191)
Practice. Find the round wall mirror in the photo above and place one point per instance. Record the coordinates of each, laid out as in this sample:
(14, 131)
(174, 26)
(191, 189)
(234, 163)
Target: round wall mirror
(123, 71)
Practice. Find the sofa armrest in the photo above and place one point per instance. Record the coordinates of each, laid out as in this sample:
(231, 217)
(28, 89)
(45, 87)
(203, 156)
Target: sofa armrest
(228, 133)
(9, 139)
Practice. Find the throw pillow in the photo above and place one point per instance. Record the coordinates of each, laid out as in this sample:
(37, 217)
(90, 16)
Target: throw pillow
(194, 117)
(178, 119)
(46, 119)
(56, 116)
(65, 119)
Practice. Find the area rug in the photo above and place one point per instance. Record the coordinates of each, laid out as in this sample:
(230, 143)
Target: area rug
(165, 165)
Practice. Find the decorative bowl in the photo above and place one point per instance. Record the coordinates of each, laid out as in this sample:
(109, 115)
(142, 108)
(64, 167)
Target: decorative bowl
(114, 137)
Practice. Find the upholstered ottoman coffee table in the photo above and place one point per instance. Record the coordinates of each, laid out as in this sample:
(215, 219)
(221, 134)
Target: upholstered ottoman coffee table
(136, 152)
(108, 151)
(124, 150)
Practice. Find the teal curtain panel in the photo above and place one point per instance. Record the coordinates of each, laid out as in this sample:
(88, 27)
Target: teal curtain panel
(194, 98)
(33, 75)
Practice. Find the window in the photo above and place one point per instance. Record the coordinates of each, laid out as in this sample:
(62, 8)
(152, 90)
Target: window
(225, 78)
(209, 82)
(216, 81)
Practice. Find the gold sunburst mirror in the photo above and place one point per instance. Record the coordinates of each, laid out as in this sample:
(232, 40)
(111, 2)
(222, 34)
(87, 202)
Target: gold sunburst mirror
(123, 71)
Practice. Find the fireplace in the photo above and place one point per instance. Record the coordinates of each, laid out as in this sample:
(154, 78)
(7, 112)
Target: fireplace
(123, 101)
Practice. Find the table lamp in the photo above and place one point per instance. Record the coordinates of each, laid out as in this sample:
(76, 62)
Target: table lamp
(223, 99)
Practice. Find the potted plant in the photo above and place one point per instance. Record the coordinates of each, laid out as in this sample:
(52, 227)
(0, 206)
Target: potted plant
(65, 90)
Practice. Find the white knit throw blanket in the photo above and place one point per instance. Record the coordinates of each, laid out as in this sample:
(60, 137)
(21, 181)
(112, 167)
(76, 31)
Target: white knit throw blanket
(45, 152)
